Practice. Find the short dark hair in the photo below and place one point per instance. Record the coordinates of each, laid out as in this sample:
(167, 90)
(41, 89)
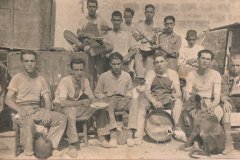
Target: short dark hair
(169, 17)
(117, 13)
(115, 55)
(206, 51)
(130, 10)
(159, 54)
(150, 6)
(32, 52)
(77, 61)
(92, 1)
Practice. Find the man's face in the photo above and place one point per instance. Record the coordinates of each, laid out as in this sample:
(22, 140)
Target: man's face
(204, 60)
(149, 13)
(117, 21)
(78, 71)
(191, 41)
(160, 64)
(29, 63)
(128, 17)
(116, 66)
(92, 8)
(169, 25)
(235, 66)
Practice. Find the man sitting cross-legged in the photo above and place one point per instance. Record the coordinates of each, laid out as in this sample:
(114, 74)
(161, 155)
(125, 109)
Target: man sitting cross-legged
(23, 96)
(162, 91)
(70, 92)
(117, 85)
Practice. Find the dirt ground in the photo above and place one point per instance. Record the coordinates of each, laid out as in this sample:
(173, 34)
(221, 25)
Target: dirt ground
(148, 150)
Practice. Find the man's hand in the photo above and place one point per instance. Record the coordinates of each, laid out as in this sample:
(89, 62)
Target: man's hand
(157, 29)
(193, 112)
(210, 110)
(23, 114)
(227, 107)
(157, 104)
(47, 117)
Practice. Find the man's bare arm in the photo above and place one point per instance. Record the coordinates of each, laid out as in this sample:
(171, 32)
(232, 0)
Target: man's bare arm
(10, 100)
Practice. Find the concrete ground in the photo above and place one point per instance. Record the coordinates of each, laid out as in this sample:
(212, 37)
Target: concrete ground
(148, 150)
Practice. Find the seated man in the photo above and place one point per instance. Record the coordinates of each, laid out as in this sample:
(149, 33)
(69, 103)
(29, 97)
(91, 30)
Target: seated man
(206, 83)
(69, 96)
(23, 96)
(162, 91)
(230, 97)
(117, 85)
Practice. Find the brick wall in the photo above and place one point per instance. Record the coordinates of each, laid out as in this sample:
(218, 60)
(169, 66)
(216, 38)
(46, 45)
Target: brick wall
(190, 14)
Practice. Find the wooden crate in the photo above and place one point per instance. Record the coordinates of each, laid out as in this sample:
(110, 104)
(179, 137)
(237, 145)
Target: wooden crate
(51, 65)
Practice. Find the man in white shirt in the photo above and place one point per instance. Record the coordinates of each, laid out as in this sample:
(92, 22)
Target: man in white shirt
(122, 41)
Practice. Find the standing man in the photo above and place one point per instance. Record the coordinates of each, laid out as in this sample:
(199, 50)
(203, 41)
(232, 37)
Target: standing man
(230, 97)
(128, 24)
(206, 83)
(170, 42)
(72, 90)
(117, 85)
(162, 91)
(122, 41)
(145, 33)
(23, 96)
(90, 27)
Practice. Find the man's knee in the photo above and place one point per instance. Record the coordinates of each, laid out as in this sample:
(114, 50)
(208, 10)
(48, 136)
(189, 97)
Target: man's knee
(218, 111)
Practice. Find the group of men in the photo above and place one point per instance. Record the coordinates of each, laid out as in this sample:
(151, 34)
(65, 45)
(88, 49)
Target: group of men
(126, 47)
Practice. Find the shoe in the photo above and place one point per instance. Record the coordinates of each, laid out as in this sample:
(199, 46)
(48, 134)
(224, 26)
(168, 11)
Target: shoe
(180, 135)
(72, 152)
(105, 144)
(113, 143)
(138, 141)
(228, 149)
(130, 142)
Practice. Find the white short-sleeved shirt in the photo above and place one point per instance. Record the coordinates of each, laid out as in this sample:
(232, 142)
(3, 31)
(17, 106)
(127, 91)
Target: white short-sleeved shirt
(171, 74)
(122, 41)
(28, 89)
(204, 85)
(187, 53)
(66, 89)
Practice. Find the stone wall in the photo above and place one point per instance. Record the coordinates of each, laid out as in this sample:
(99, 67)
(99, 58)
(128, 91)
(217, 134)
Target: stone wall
(190, 14)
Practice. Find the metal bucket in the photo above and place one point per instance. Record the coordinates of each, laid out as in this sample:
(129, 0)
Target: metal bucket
(159, 125)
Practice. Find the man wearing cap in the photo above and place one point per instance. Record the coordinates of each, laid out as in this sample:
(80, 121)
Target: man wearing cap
(169, 42)
(188, 54)
(162, 91)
